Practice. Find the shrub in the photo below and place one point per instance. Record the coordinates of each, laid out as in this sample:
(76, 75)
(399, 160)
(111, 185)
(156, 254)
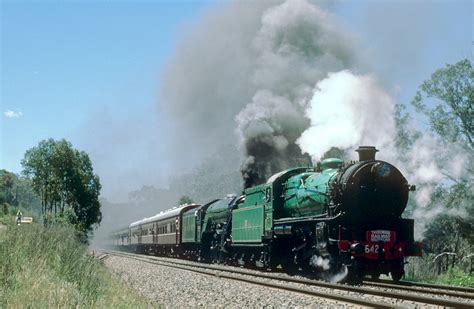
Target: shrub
(456, 276)
(422, 269)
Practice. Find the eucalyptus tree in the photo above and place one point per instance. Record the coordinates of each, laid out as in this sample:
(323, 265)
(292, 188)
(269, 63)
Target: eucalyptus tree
(451, 92)
(446, 99)
(64, 179)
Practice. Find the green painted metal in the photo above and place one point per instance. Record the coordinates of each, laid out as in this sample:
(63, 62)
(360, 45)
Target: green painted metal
(248, 224)
(278, 182)
(261, 195)
(255, 195)
(296, 192)
(188, 227)
(306, 193)
(216, 213)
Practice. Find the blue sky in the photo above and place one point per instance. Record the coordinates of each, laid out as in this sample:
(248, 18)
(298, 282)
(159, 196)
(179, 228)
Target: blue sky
(71, 68)
(63, 61)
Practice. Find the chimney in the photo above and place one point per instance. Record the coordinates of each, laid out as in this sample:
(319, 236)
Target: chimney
(366, 153)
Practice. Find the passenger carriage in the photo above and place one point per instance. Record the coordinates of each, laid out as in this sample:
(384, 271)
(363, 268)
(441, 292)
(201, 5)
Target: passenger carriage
(160, 233)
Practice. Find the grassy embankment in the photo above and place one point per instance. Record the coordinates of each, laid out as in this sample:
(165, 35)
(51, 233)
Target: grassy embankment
(47, 267)
(423, 270)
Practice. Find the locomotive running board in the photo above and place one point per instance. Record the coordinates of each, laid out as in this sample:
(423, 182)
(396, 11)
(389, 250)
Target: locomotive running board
(320, 218)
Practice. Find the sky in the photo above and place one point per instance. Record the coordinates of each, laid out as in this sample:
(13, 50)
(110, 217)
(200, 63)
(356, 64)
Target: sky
(67, 66)
(90, 71)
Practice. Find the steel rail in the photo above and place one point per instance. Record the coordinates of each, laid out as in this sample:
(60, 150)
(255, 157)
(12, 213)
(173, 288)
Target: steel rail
(424, 285)
(221, 274)
(419, 289)
(401, 296)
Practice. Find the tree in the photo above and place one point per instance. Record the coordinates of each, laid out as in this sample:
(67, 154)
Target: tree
(452, 117)
(7, 182)
(447, 100)
(406, 136)
(64, 179)
(185, 200)
(17, 191)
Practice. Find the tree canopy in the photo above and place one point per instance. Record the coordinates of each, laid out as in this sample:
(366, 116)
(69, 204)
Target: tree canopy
(185, 200)
(64, 179)
(17, 191)
(447, 100)
(452, 116)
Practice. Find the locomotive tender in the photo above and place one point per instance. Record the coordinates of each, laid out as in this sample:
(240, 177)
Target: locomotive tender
(337, 216)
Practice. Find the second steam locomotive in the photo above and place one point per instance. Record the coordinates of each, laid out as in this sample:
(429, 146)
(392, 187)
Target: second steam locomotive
(324, 220)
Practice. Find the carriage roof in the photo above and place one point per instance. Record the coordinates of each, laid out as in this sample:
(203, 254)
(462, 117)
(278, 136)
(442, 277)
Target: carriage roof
(170, 213)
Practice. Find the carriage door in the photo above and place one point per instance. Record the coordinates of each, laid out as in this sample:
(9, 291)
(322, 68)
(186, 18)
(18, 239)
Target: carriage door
(177, 230)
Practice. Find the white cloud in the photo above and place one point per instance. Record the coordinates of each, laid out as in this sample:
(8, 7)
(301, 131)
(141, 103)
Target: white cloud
(13, 114)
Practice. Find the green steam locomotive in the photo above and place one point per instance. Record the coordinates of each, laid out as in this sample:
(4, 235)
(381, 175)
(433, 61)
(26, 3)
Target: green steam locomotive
(335, 218)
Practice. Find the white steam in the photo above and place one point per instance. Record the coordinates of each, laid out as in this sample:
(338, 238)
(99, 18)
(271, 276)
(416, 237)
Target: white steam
(430, 164)
(339, 276)
(320, 262)
(348, 110)
(324, 264)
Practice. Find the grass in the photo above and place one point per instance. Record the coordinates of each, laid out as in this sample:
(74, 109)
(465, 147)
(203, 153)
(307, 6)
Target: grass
(456, 276)
(47, 267)
(422, 269)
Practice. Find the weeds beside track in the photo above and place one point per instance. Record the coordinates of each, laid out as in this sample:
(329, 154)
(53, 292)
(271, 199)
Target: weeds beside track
(48, 267)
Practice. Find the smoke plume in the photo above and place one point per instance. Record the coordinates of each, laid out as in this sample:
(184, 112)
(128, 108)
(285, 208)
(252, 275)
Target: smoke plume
(206, 81)
(296, 45)
(255, 64)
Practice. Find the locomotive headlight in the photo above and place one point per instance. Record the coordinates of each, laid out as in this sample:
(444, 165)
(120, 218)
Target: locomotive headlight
(357, 248)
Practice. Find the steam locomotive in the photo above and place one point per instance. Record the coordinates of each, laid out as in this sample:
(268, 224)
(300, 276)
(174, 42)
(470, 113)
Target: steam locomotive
(336, 217)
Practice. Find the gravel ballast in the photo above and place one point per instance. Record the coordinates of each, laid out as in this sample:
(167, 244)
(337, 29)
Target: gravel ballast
(180, 288)
(171, 287)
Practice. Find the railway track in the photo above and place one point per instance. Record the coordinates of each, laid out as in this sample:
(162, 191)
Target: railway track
(387, 294)
(458, 292)
(423, 285)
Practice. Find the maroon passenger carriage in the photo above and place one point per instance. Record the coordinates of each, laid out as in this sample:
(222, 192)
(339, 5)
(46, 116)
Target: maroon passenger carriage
(158, 234)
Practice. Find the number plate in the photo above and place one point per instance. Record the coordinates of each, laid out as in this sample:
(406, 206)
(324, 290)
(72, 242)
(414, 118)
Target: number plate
(381, 235)
(372, 249)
